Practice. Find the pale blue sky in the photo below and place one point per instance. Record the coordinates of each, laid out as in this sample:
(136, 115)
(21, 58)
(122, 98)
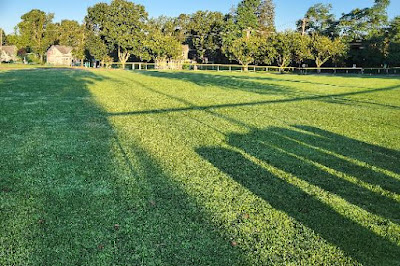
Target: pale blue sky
(287, 11)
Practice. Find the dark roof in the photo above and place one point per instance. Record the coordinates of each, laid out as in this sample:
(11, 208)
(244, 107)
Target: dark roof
(63, 49)
(10, 49)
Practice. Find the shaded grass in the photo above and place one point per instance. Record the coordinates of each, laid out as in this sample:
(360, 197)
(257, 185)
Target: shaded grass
(198, 168)
(74, 193)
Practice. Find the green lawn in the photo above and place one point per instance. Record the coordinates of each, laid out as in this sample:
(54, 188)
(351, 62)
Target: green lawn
(210, 168)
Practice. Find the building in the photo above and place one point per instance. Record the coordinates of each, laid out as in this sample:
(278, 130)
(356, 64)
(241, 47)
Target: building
(60, 55)
(8, 53)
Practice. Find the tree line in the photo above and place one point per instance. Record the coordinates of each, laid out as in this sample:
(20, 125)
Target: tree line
(122, 31)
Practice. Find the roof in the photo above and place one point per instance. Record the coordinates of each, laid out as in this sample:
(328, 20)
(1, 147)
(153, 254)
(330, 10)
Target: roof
(63, 49)
(10, 49)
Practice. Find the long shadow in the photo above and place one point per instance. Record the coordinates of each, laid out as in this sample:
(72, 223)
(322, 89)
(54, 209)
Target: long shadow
(284, 154)
(191, 106)
(355, 102)
(253, 103)
(296, 81)
(374, 155)
(225, 82)
(73, 192)
(338, 154)
(250, 84)
(309, 164)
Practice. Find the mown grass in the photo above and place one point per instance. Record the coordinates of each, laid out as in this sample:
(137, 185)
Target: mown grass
(205, 168)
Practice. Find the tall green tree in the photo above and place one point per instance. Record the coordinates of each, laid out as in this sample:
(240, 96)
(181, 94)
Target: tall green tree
(230, 32)
(394, 44)
(360, 24)
(161, 43)
(71, 33)
(205, 37)
(266, 17)
(98, 48)
(291, 47)
(182, 29)
(124, 26)
(252, 49)
(37, 32)
(324, 49)
(247, 14)
(319, 20)
(96, 41)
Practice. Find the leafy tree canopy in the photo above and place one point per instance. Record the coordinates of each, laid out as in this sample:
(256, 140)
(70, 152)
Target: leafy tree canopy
(319, 20)
(37, 31)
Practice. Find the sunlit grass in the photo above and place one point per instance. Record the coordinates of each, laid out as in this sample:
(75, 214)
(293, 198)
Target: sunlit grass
(176, 168)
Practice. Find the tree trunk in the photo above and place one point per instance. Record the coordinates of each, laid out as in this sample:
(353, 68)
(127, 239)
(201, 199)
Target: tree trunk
(82, 62)
(245, 68)
(41, 59)
(123, 56)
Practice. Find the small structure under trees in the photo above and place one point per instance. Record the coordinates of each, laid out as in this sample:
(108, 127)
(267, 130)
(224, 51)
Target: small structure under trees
(8, 53)
(60, 55)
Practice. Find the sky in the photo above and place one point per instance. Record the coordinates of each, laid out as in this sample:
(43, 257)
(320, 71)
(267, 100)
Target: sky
(287, 11)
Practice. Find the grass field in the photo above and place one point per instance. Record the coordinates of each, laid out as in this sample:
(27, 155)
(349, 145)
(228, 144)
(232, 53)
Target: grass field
(210, 168)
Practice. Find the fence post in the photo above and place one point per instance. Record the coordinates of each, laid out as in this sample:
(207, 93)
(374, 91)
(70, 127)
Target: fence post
(254, 69)
(218, 68)
(230, 68)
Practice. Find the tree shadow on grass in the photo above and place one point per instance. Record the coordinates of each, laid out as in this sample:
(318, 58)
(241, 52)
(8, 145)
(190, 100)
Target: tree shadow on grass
(296, 81)
(73, 192)
(250, 84)
(289, 151)
(374, 155)
(225, 82)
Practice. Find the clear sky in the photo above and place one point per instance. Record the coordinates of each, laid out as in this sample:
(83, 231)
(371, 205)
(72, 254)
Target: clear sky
(287, 11)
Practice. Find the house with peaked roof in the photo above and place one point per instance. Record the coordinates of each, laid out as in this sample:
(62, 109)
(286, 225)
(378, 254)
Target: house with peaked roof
(60, 55)
(8, 53)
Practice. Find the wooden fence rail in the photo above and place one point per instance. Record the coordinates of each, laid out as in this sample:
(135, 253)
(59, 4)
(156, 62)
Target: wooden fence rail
(254, 68)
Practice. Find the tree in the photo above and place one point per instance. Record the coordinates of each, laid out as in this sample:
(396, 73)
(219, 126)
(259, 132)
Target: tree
(249, 49)
(291, 46)
(324, 49)
(266, 17)
(74, 35)
(394, 45)
(161, 44)
(230, 32)
(98, 48)
(247, 14)
(301, 48)
(205, 28)
(182, 29)
(124, 27)
(96, 41)
(37, 31)
(318, 20)
(363, 23)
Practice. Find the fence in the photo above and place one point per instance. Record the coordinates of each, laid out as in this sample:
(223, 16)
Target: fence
(253, 68)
